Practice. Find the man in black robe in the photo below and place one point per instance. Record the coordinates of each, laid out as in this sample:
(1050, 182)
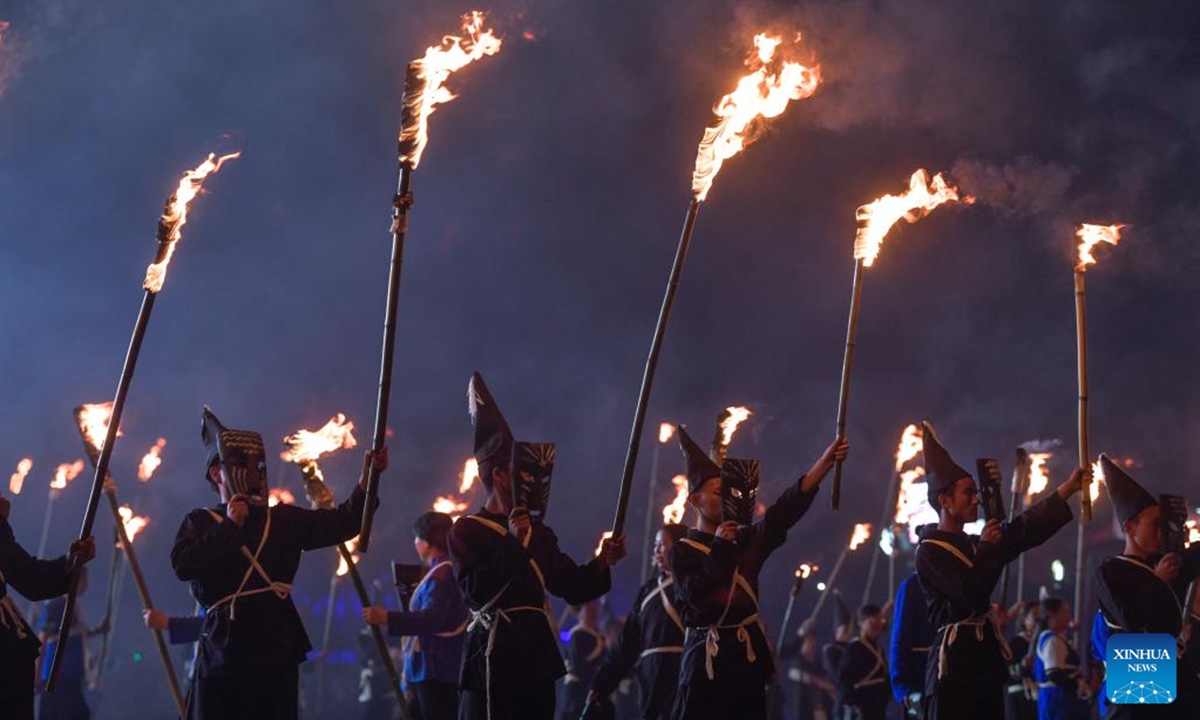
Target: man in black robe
(505, 564)
(584, 653)
(1021, 695)
(240, 558)
(726, 659)
(967, 669)
(37, 580)
(832, 652)
(1141, 590)
(863, 672)
(652, 638)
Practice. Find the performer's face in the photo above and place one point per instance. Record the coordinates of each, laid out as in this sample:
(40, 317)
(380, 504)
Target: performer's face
(708, 501)
(1146, 529)
(873, 626)
(963, 501)
(662, 551)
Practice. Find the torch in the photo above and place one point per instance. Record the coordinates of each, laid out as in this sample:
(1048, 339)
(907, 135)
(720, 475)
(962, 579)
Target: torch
(170, 231)
(1019, 480)
(862, 533)
(875, 219)
(802, 574)
(16, 481)
(761, 95)
(111, 592)
(665, 432)
(424, 90)
(456, 505)
(326, 637)
(304, 448)
(910, 446)
(63, 475)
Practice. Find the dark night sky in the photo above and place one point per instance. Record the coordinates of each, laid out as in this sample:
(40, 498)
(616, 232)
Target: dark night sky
(547, 208)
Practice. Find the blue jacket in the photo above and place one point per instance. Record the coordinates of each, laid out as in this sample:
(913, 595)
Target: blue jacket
(436, 621)
(911, 637)
(1099, 650)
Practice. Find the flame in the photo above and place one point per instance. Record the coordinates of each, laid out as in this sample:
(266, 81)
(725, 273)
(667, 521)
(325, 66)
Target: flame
(862, 533)
(759, 96)
(1092, 235)
(734, 416)
(806, 570)
(17, 480)
(665, 432)
(673, 512)
(1193, 533)
(174, 217)
(65, 473)
(134, 524)
(93, 419)
(1038, 479)
(307, 446)
(151, 460)
(434, 69)
(343, 568)
(280, 495)
(910, 446)
(450, 505)
(468, 476)
(600, 545)
(876, 218)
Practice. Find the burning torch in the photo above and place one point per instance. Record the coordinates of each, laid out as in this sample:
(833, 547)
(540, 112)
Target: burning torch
(861, 534)
(16, 481)
(802, 574)
(424, 90)
(665, 432)
(1020, 481)
(910, 446)
(741, 115)
(875, 220)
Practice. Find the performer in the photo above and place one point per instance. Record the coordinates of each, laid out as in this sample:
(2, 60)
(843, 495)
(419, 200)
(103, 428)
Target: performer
(912, 637)
(1062, 692)
(863, 672)
(240, 558)
(585, 650)
(1098, 648)
(966, 673)
(36, 580)
(505, 564)
(436, 621)
(1138, 595)
(1021, 696)
(652, 639)
(181, 629)
(726, 659)
(69, 699)
(815, 691)
(843, 633)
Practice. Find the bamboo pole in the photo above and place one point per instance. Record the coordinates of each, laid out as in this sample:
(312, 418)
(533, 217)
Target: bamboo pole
(829, 584)
(1019, 481)
(326, 636)
(385, 657)
(41, 552)
(847, 360)
(1084, 455)
(110, 595)
(646, 529)
(888, 512)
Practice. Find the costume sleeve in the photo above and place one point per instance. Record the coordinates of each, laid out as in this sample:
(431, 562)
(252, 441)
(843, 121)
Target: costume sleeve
(1053, 652)
(700, 575)
(484, 561)
(947, 579)
(202, 544)
(315, 529)
(35, 579)
(437, 616)
(183, 630)
(1033, 527)
(623, 654)
(785, 512)
(564, 578)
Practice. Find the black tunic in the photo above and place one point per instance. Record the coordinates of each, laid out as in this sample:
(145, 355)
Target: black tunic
(1020, 695)
(36, 580)
(716, 586)
(652, 638)
(862, 680)
(1135, 600)
(966, 673)
(585, 650)
(502, 584)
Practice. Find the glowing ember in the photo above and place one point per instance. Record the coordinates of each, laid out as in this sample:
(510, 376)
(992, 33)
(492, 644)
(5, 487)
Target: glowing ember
(307, 446)
(17, 480)
(449, 505)
(910, 446)
(134, 524)
(151, 460)
(65, 473)
(93, 424)
(734, 416)
(876, 218)
(468, 476)
(280, 495)
(673, 512)
(806, 570)
(174, 217)
(763, 94)
(600, 545)
(1092, 235)
(343, 568)
(1038, 479)
(433, 70)
(665, 432)
(862, 533)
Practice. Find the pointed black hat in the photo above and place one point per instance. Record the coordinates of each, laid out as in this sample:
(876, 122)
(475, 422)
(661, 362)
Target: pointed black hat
(700, 467)
(941, 472)
(493, 439)
(1129, 498)
(210, 434)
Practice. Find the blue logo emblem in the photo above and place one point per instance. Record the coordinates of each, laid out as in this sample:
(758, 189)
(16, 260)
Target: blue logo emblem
(1140, 669)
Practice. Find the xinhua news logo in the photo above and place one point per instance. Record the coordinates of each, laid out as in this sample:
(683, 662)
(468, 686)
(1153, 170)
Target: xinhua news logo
(1140, 669)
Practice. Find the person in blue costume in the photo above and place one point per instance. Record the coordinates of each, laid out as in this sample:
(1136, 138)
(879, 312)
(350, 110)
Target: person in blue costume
(1062, 692)
(911, 639)
(1021, 696)
(1098, 649)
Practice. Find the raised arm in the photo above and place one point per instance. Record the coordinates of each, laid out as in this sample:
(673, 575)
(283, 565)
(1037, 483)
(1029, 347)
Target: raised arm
(564, 577)
(315, 529)
(35, 579)
(623, 654)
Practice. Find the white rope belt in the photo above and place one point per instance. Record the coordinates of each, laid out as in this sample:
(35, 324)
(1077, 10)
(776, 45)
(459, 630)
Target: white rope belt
(663, 650)
(712, 644)
(950, 635)
(10, 617)
(281, 590)
(868, 683)
(489, 619)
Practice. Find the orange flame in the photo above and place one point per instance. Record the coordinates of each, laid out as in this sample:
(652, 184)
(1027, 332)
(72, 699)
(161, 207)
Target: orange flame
(912, 506)
(665, 432)
(736, 416)
(673, 512)
(1038, 479)
(600, 545)
(910, 446)
(1193, 533)
(343, 568)
(806, 570)
(1097, 480)
(861, 534)
(307, 446)
(134, 524)
(4, 25)
(876, 218)
(151, 460)
(1092, 235)
(450, 505)
(434, 69)
(468, 476)
(280, 495)
(65, 473)
(93, 421)
(174, 217)
(16, 481)
(758, 97)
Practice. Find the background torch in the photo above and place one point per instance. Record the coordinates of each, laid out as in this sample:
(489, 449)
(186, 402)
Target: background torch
(802, 574)
(861, 534)
(910, 446)
(665, 432)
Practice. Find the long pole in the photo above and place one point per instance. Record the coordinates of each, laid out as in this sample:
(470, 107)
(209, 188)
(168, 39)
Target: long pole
(646, 534)
(660, 329)
(1084, 455)
(892, 566)
(889, 511)
(41, 553)
(110, 441)
(787, 618)
(847, 360)
(829, 584)
(364, 597)
(110, 600)
(1018, 489)
(326, 636)
(401, 203)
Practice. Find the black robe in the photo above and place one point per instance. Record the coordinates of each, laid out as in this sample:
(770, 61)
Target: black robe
(585, 650)
(967, 670)
(19, 645)
(707, 595)
(259, 635)
(1134, 600)
(862, 680)
(653, 640)
(1020, 695)
(497, 576)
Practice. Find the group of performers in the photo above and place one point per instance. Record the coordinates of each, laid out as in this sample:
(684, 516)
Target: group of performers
(481, 643)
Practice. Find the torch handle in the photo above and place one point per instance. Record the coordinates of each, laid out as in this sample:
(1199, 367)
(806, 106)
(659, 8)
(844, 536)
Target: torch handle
(364, 597)
(783, 627)
(837, 568)
(110, 596)
(41, 553)
(844, 391)
(889, 511)
(660, 329)
(1085, 461)
(110, 440)
(646, 527)
(401, 204)
(326, 636)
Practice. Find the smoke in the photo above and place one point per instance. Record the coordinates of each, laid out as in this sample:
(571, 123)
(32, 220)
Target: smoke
(1024, 186)
(1041, 446)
